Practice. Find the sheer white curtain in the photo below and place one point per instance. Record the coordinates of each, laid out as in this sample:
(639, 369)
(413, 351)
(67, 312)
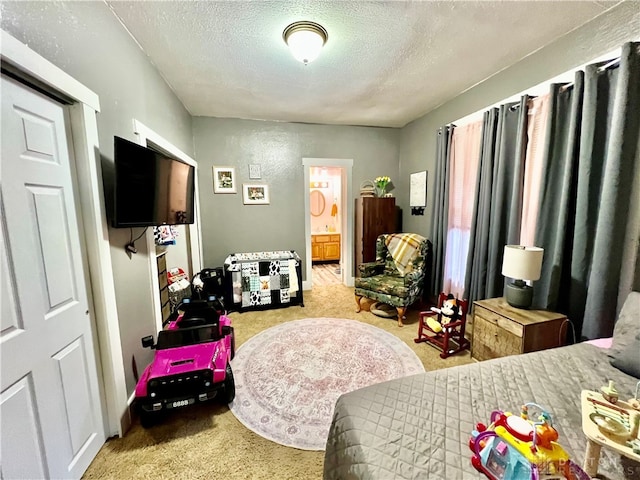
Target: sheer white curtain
(536, 130)
(465, 156)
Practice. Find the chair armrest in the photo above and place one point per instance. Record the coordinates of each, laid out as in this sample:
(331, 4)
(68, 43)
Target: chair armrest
(370, 269)
(413, 277)
(431, 313)
(455, 324)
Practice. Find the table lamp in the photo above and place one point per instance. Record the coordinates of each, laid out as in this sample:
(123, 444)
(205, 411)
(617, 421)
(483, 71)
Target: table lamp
(521, 263)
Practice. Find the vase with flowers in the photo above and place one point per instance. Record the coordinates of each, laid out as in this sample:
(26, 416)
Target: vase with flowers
(381, 185)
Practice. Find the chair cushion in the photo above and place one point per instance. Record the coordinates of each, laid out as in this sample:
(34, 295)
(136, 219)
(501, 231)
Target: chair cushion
(390, 267)
(384, 284)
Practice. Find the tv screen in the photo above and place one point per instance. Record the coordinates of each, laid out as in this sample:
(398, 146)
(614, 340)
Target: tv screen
(150, 188)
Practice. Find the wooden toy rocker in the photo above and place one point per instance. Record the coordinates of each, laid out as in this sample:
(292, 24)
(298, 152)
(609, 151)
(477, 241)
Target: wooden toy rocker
(443, 327)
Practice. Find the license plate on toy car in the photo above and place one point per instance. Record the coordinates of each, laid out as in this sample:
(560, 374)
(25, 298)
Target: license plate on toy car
(181, 403)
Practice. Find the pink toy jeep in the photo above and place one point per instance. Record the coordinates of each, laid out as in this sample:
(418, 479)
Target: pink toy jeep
(191, 362)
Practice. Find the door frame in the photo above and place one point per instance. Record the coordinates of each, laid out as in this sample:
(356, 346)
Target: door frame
(145, 137)
(35, 70)
(346, 225)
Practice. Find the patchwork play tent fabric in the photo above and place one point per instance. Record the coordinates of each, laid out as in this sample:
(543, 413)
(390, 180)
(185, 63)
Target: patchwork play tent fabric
(264, 279)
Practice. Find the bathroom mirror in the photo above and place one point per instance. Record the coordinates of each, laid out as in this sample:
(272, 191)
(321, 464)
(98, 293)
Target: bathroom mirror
(317, 203)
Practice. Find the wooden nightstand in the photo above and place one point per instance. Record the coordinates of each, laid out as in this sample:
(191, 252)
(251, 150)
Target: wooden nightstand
(500, 329)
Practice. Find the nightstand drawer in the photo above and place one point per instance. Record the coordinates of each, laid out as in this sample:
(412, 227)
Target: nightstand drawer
(492, 341)
(499, 320)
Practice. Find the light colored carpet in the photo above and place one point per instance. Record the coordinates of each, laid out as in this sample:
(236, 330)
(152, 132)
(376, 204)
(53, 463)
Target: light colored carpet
(208, 442)
(289, 377)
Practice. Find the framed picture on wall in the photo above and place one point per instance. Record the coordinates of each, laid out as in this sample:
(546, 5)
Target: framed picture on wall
(224, 180)
(255, 194)
(254, 171)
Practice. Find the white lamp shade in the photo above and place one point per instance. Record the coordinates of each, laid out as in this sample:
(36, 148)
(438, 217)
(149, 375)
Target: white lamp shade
(305, 45)
(522, 263)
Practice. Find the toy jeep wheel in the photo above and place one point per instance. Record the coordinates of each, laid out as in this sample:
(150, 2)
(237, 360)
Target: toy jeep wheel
(229, 390)
(147, 419)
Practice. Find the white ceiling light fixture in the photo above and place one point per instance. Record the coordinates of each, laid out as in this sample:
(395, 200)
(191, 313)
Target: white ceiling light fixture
(305, 39)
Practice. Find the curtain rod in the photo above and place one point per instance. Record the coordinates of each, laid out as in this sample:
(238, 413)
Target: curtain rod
(612, 63)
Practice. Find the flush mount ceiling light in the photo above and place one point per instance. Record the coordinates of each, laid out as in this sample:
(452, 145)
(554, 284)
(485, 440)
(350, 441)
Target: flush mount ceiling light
(305, 39)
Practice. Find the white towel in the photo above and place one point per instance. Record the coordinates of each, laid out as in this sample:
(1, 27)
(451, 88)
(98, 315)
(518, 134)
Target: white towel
(293, 277)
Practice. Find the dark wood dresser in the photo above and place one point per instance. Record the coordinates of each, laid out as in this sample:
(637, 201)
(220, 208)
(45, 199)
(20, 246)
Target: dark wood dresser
(374, 216)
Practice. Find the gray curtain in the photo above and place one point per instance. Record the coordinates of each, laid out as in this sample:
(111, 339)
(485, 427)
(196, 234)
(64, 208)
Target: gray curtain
(498, 198)
(583, 239)
(440, 210)
(558, 194)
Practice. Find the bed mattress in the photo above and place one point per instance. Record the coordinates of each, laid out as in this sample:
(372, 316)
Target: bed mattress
(418, 427)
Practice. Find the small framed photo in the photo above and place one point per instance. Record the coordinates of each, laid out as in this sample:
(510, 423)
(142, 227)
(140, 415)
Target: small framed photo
(254, 194)
(254, 171)
(224, 180)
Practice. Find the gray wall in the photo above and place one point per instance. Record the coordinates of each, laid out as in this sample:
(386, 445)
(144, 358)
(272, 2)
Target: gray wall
(418, 139)
(600, 36)
(85, 40)
(228, 226)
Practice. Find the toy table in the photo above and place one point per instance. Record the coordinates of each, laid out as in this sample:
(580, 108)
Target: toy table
(614, 426)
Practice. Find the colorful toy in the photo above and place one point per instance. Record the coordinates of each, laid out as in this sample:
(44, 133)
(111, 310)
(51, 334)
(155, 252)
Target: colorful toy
(191, 362)
(614, 425)
(609, 392)
(514, 447)
(635, 401)
(448, 313)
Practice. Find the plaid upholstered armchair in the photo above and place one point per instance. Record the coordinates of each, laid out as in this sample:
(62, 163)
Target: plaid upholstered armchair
(397, 277)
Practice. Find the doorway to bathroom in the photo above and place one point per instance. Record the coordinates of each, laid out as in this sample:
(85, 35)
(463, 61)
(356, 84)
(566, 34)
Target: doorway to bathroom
(325, 209)
(328, 222)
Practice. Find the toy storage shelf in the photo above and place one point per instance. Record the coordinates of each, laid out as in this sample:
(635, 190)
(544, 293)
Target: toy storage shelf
(163, 286)
(263, 280)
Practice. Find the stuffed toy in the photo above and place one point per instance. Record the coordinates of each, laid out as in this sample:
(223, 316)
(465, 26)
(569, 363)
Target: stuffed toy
(449, 312)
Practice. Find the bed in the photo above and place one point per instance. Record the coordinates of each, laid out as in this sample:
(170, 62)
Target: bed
(418, 427)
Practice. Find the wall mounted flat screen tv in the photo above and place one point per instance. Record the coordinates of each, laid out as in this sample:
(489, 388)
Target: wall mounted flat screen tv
(150, 188)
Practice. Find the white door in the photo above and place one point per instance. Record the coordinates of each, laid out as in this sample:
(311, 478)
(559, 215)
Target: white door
(51, 412)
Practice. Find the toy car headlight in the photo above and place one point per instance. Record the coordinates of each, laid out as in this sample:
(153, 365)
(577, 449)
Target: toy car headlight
(153, 384)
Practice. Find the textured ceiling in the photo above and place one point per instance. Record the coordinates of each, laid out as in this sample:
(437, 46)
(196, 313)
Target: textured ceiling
(385, 63)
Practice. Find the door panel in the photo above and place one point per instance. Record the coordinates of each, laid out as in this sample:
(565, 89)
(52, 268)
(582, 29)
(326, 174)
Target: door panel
(11, 320)
(47, 349)
(22, 452)
(49, 210)
(73, 376)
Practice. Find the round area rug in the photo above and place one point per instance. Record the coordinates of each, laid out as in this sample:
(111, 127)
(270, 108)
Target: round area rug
(289, 377)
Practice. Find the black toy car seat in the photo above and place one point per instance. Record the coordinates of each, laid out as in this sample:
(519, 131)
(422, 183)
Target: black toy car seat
(198, 313)
(208, 282)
